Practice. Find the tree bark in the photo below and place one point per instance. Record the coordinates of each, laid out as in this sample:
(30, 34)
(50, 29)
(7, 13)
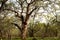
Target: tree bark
(24, 31)
(0, 34)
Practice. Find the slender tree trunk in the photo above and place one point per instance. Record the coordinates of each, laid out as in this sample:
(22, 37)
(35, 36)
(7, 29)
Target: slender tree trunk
(56, 33)
(9, 35)
(24, 31)
(0, 34)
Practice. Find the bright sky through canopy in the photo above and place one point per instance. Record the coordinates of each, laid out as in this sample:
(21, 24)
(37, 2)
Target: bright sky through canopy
(46, 10)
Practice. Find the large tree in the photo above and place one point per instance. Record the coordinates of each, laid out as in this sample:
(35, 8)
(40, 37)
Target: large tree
(23, 11)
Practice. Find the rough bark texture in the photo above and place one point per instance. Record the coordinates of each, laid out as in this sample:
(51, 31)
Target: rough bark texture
(24, 31)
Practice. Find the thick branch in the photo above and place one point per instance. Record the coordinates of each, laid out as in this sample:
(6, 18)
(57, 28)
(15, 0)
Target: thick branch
(32, 10)
(28, 14)
(11, 10)
(22, 18)
(28, 6)
(17, 26)
(21, 4)
(2, 5)
(17, 15)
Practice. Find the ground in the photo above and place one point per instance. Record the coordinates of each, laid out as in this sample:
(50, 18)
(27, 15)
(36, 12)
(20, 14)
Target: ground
(38, 38)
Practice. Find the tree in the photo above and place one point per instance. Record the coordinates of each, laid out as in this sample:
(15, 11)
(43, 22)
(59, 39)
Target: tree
(23, 9)
(27, 7)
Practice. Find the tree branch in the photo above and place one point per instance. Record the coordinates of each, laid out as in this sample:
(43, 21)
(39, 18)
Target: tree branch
(33, 10)
(17, 15)
(11, 10)
(27, 12)
(2, 5)
(31, 2)
(17, 26)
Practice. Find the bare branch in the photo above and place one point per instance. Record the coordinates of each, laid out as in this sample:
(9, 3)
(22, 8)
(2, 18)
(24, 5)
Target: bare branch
(31, 2)
(27, 12)
(21, 3)
(27, 16)
(22, 18)
(17, 26)
(17, 15)
(33, 10)
(2, 5)
(11, 10)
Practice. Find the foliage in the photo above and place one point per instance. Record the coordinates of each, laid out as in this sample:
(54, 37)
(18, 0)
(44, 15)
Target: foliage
(19, 13)
(38, 38)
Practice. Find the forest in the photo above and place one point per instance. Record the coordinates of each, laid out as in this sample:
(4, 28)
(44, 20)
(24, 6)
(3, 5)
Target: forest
(29, 19)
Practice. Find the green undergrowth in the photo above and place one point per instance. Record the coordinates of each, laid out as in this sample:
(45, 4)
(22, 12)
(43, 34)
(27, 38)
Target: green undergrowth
(36, 38)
